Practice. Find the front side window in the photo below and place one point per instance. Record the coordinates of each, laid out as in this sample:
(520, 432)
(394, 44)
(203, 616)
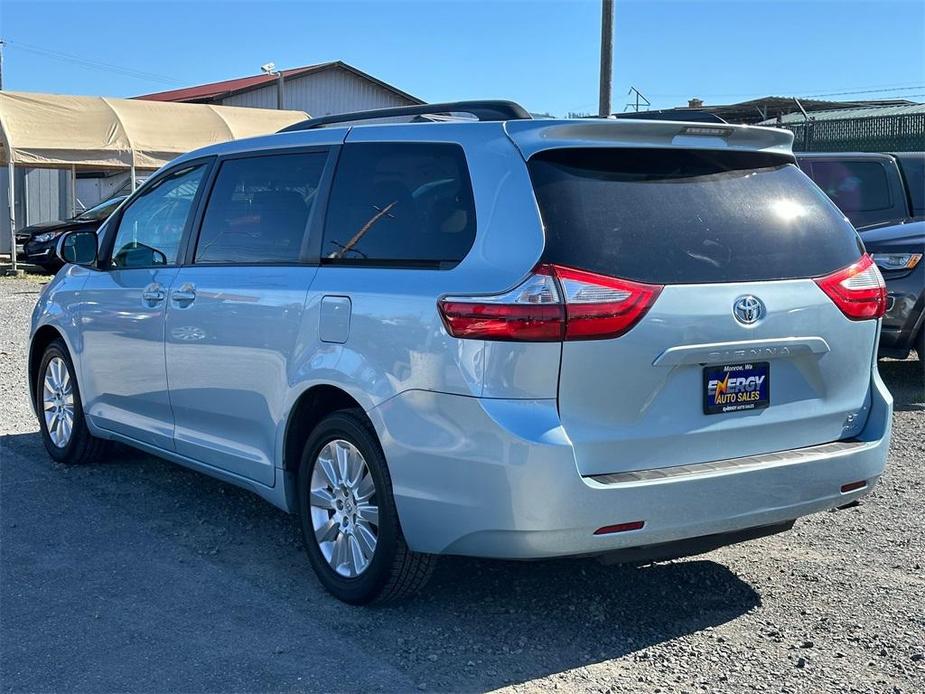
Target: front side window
(152, 225)
(855, 186)
(259, 209)
(404, 204)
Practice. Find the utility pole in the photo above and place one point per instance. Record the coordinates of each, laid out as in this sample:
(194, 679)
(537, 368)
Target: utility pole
(606, 58)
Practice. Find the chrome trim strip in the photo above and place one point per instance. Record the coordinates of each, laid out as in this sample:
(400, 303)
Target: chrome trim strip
(741, 351)
(797, 455)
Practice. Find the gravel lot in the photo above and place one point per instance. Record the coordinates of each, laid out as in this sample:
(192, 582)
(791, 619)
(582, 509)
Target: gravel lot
(137, 575)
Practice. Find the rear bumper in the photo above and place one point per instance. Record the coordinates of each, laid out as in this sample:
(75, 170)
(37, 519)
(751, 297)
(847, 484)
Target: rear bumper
(498, 478)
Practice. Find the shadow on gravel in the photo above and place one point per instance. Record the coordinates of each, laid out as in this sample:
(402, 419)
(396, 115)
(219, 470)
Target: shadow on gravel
(906, 381)
(139, 575)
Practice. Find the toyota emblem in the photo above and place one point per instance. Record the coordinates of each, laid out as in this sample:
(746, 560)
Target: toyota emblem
(748, 309)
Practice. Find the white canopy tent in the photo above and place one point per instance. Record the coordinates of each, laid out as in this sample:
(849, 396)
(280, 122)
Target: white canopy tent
(93, 132)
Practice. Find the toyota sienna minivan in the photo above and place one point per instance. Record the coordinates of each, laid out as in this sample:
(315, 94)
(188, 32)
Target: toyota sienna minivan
(486, 335)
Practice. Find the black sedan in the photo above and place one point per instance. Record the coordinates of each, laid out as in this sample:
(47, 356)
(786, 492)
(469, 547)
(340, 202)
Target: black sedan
(898, 252)
(36, 244)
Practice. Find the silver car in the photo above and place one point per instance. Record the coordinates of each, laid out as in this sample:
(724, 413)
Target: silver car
(490, 336)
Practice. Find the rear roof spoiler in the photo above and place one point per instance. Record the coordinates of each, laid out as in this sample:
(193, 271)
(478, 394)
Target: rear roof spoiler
(536, 135)
(685, 116)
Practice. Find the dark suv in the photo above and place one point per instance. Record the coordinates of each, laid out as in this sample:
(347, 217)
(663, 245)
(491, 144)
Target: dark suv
(898, 251)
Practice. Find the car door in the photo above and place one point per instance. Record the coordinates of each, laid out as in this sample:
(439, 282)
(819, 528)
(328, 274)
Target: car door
(123, 306)
(234, 312)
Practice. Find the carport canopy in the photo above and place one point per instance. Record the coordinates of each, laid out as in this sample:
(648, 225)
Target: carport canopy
(52, 130)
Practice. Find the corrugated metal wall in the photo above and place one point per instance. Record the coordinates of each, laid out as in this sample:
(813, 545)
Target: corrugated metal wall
(41, 196)
(322, 94)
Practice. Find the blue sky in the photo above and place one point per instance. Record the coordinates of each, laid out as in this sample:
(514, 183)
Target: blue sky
(542, 54)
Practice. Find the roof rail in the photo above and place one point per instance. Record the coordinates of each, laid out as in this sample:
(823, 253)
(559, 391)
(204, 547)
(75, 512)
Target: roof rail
(692, 116)
(495, 110)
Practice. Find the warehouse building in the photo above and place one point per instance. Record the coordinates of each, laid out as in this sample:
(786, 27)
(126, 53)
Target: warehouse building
(320, 90)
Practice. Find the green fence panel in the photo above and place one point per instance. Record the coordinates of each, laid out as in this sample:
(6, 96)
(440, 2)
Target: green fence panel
(902, 133)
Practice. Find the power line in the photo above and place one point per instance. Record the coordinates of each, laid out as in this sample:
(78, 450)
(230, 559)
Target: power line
(93, 64)
(869, 91)
(858, 90)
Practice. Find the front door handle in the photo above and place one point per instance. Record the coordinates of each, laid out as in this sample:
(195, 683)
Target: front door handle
(153, 294)
(184, 295)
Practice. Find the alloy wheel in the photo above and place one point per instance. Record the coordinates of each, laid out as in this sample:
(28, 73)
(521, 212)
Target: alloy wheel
(58, 402)
(344, 510)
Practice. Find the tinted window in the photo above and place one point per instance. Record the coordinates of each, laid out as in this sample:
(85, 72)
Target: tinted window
(101, 211)
(673, 217)
(913, 168)
(258, 210)
(400, 203)
(152, 225)
(855, 186)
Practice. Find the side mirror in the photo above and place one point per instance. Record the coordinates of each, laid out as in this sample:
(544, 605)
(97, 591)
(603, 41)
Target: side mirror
(77, 247)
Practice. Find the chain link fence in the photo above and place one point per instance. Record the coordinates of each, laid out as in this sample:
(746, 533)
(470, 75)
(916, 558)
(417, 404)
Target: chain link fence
(896, 133)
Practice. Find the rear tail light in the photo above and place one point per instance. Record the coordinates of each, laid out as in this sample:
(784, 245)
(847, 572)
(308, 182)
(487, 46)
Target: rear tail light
(555, 303)
(858, 290)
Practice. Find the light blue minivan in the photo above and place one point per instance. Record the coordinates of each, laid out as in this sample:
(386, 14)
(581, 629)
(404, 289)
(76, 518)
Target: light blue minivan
(480, 334)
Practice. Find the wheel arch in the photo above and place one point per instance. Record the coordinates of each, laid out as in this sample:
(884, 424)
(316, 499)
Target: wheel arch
(43, 337)
(311, 406)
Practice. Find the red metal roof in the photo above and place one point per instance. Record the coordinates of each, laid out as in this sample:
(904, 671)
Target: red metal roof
(218, 90)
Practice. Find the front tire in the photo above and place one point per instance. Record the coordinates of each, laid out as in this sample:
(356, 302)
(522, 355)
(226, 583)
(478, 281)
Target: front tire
(348, 517)
(60, 412)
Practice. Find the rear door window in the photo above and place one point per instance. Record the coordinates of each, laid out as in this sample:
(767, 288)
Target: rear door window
(400, 204)
(855, 186)
(259, 208)
(687, 216)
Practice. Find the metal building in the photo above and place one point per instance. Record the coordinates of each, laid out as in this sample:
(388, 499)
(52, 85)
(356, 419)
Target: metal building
(320, 90)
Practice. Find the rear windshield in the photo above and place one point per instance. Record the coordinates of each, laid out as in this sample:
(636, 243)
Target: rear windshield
(680, 217)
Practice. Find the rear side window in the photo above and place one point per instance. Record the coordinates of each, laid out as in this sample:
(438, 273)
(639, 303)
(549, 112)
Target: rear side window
(258, 210)
(913, 168)
(679, 217)
(855, 186)
(400, 204)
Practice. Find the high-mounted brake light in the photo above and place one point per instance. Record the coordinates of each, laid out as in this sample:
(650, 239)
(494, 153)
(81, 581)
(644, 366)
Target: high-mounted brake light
(554, 303)
(858, 290)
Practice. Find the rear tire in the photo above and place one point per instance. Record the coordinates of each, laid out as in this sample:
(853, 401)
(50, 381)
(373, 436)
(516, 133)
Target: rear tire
(60, 411)
(348, 516)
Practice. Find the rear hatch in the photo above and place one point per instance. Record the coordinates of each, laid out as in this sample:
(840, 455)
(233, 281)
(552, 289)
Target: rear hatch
(740, 348)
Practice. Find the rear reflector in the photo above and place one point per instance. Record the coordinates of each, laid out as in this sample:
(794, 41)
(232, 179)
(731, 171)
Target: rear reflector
(620, 528)
(858, 290)
(554, 303)
(853, 486)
